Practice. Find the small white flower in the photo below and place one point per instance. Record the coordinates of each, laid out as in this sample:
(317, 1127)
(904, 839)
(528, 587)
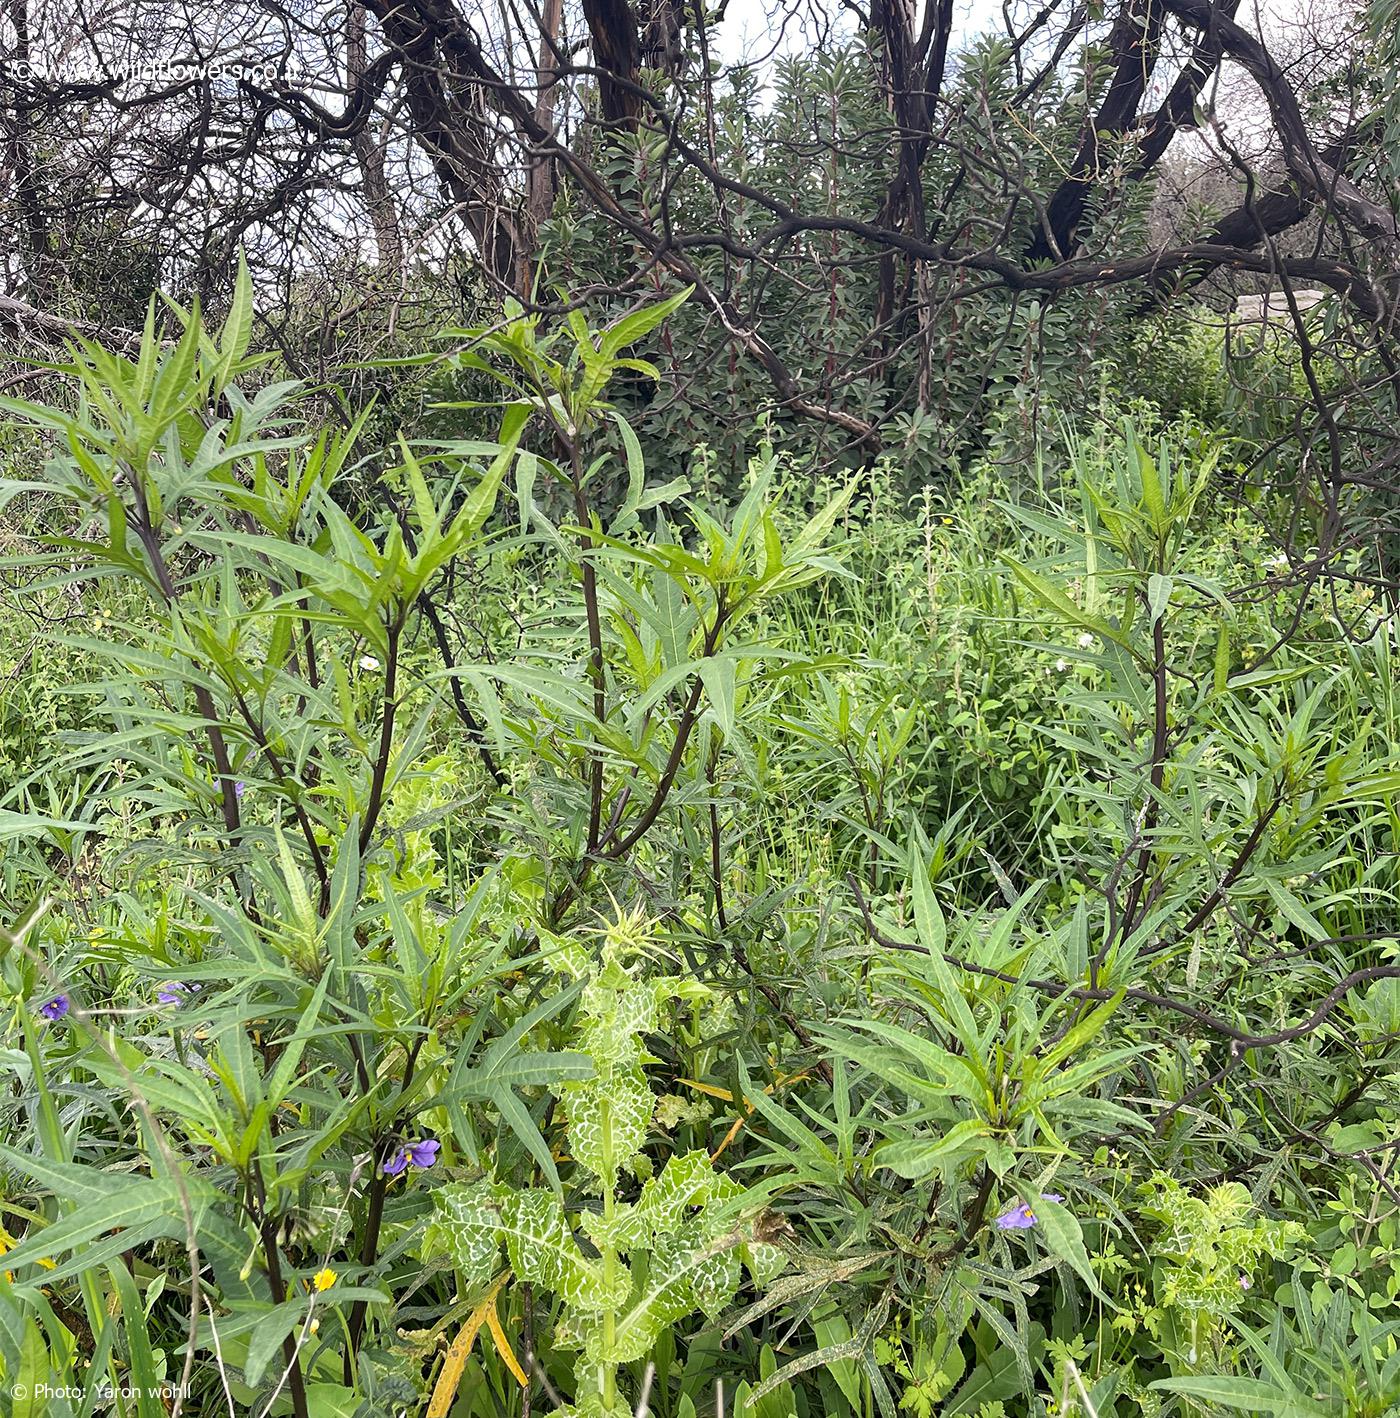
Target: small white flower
(368, 662)
(1062, 665)
(1086, 640)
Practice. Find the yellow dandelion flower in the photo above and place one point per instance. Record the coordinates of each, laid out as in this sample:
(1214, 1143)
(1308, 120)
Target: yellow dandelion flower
(324, 1279)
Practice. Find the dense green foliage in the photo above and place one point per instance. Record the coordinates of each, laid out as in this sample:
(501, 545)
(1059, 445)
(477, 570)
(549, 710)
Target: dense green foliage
(494, 913)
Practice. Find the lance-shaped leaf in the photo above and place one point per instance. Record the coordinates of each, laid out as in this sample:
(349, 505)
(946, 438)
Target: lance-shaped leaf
(118, 1220)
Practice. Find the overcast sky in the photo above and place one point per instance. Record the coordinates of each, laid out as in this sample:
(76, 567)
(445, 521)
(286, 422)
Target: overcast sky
(748, 32)
(757, 31)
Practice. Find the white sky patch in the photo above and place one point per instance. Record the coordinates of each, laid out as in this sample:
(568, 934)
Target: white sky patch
(758, 32)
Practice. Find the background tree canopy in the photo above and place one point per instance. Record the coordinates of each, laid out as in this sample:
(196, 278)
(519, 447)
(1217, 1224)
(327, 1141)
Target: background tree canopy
(699, 710)
(887, 216)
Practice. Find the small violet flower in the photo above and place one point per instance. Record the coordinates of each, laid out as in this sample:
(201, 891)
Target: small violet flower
(1245, 1282)
(56, 1008)
(1021, 1217)
(422, 1153)
(174, 992)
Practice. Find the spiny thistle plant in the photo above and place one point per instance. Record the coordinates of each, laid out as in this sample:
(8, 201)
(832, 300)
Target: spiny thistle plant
(650, 1254)
(1210, 1250)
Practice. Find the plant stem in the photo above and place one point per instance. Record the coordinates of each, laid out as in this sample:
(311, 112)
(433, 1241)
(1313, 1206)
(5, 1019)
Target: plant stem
(386, 737)
(374, 1217)
(595, 631)
(608, 1370)
(290, 1353)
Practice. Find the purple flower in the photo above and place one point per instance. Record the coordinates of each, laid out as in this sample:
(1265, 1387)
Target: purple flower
(56, 1008)
(422, 1153)
(1245, 1282)
(174, 992)
(1021, 1217)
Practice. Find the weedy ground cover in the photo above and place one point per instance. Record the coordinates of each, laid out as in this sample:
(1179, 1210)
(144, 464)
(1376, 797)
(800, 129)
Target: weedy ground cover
(541, 937)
